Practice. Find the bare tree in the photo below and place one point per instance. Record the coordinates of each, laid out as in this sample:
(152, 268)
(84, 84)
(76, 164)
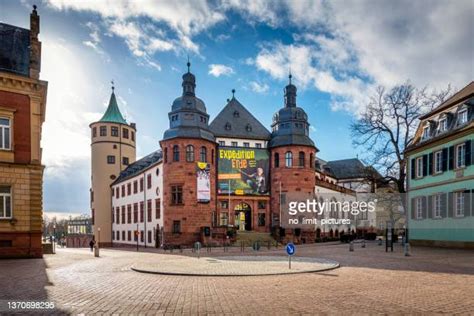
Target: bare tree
(388, 126)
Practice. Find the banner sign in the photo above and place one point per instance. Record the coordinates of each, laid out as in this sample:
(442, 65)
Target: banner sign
(245, 170)
(203, 176)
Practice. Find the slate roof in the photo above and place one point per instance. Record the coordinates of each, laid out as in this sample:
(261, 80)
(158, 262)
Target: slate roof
(236, 121)
(112, 114)
(350, 169)
(14, 49)
(464, 93)
(139, 166)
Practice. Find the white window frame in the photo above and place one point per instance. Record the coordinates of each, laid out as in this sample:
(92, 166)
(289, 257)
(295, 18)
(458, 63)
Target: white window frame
(463, 114)
(438, 161)
(4, 128)
(426, 132)
(3, 200)
(461, 159)
(459, 204)
(419, 167)
(443, 125)
(437, 206)
(419, 208)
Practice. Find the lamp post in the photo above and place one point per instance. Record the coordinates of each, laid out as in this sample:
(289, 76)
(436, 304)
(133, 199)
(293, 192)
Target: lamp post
(98, 242)
(54, 237)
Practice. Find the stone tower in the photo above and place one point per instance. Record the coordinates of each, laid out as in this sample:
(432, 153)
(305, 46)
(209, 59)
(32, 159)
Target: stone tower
(112, 150)
(292, 158)
(187, 142)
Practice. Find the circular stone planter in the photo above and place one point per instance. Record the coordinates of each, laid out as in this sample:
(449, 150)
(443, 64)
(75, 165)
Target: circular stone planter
(234, 266)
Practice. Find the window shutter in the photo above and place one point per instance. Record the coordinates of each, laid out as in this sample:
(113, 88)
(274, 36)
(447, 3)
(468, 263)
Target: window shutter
(413, 205)
(425, 165)
(467, 203)
(424, 207)
(443, 205)
(430, 206)
(468, 153)
(413, 170)
(451, 158)
(450, 204)
(445, 159)
(430, 164)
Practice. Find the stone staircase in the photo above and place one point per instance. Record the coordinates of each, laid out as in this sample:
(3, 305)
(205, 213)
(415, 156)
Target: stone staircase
(249, 238)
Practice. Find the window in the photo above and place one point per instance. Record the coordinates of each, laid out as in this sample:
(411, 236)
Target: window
(117, 192)
(419, 167)
(176, 227)
(258, 145)
(437, 206)
(123, 235)
(463, 116)
(149, 210)
(225, 204)
(166, 155)
(114, 131)
(261, 219)
(123, 189)
(94, 131)
(224, 219)
(175, 153)
(117, 216)
(246, 144)
(129, 214)
(123, 214)
(141, 212)
(190, 153)
(125, 133)
(118, 235)
(262, 205)
(228, 126)
(203, 154)
(133, 135)
(443, 125)
(111, 160)
(148, 181)
(460, 155)
(248, 128)
(311, 160)
(129, 235)
(5, 202)
(277, 160)
(419, 208)
(235, 144)
(135, 187)
(288, 159)
(129, 188)
(301, 159)
(426, 132)
(135, 212)
(459, 204)
(236, 113)
(176, 194)
(125, 161)
(149, 236)
(157, 208)
(438, 161)
(141, 185)
(212, 156)
(221, 143)
(5, 131)
(103, 130)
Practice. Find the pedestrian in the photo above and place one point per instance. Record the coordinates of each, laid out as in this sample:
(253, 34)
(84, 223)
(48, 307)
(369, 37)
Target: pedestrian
(91, 244)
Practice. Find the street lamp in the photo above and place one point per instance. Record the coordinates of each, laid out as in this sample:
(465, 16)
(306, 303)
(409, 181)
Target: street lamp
(54, 238)
(98, 242)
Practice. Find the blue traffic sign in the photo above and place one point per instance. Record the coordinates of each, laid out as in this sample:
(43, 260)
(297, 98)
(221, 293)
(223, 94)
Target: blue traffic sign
(290, 249)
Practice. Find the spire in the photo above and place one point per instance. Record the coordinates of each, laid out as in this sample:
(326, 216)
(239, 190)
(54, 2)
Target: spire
(112, 114)
(290, 92)
(233, 93)
(189, 81)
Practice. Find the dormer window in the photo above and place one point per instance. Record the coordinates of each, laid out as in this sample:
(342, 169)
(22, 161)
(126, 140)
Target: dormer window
(248, 128)
(443, 124)
(227, 126)
(426, 132)
(236, 114)
(462, 116)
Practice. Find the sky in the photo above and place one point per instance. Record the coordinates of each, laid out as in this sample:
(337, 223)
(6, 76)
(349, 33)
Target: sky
(338, 53)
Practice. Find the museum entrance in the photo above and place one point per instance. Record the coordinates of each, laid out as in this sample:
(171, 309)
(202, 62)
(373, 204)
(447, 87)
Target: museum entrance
(243, 216)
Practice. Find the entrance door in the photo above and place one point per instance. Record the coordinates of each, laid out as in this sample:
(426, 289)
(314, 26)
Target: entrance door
(243, 216)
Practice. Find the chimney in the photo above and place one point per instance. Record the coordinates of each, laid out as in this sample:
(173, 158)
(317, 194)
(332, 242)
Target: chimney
(35, 44)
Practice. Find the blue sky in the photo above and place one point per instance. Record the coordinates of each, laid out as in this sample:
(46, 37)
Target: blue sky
(338, 51)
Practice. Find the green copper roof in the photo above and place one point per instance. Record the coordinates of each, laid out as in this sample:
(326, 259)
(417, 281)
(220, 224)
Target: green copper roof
(113, 113)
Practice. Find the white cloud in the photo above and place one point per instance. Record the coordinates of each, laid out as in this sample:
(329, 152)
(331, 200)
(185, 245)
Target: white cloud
(259, 87)
(218, 70)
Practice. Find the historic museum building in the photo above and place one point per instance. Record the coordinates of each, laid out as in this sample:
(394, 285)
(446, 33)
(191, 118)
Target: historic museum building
(22, 113)
(208, 176)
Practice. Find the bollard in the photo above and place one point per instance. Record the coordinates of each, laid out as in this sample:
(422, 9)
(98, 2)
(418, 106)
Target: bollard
(351, 246)
(407, 250)
(96, 251)
(363, 243)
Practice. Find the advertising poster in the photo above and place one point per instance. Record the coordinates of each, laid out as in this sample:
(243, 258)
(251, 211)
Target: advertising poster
(243, 171)
(203, 176)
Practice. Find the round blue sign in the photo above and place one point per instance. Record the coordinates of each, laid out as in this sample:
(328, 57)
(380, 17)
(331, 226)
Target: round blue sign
(290, 249)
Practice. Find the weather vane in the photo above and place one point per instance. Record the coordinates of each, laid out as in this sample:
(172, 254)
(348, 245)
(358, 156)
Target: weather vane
(233, 92)
(189, 64)
(113, 85)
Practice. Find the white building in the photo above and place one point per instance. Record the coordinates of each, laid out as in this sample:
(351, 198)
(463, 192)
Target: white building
(137, 203)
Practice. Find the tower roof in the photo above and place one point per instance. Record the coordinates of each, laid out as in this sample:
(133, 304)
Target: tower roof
(112, 114)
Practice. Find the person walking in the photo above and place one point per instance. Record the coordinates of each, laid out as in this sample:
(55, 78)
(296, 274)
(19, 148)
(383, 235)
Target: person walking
(91, 244)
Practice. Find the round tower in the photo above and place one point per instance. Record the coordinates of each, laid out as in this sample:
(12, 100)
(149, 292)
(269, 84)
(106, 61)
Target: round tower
(112, 150)
(189, 169)
(292, 160)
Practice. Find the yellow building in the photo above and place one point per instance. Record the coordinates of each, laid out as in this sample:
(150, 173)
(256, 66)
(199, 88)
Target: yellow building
(22, 113)
(112, 150)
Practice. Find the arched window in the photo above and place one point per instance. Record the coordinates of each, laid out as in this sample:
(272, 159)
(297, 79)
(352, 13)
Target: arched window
(301, 159)
(175, 153)
(311, 160)
(190, 153)
(203, 154)
(165, 155)
(289, 159)
(276, 160)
